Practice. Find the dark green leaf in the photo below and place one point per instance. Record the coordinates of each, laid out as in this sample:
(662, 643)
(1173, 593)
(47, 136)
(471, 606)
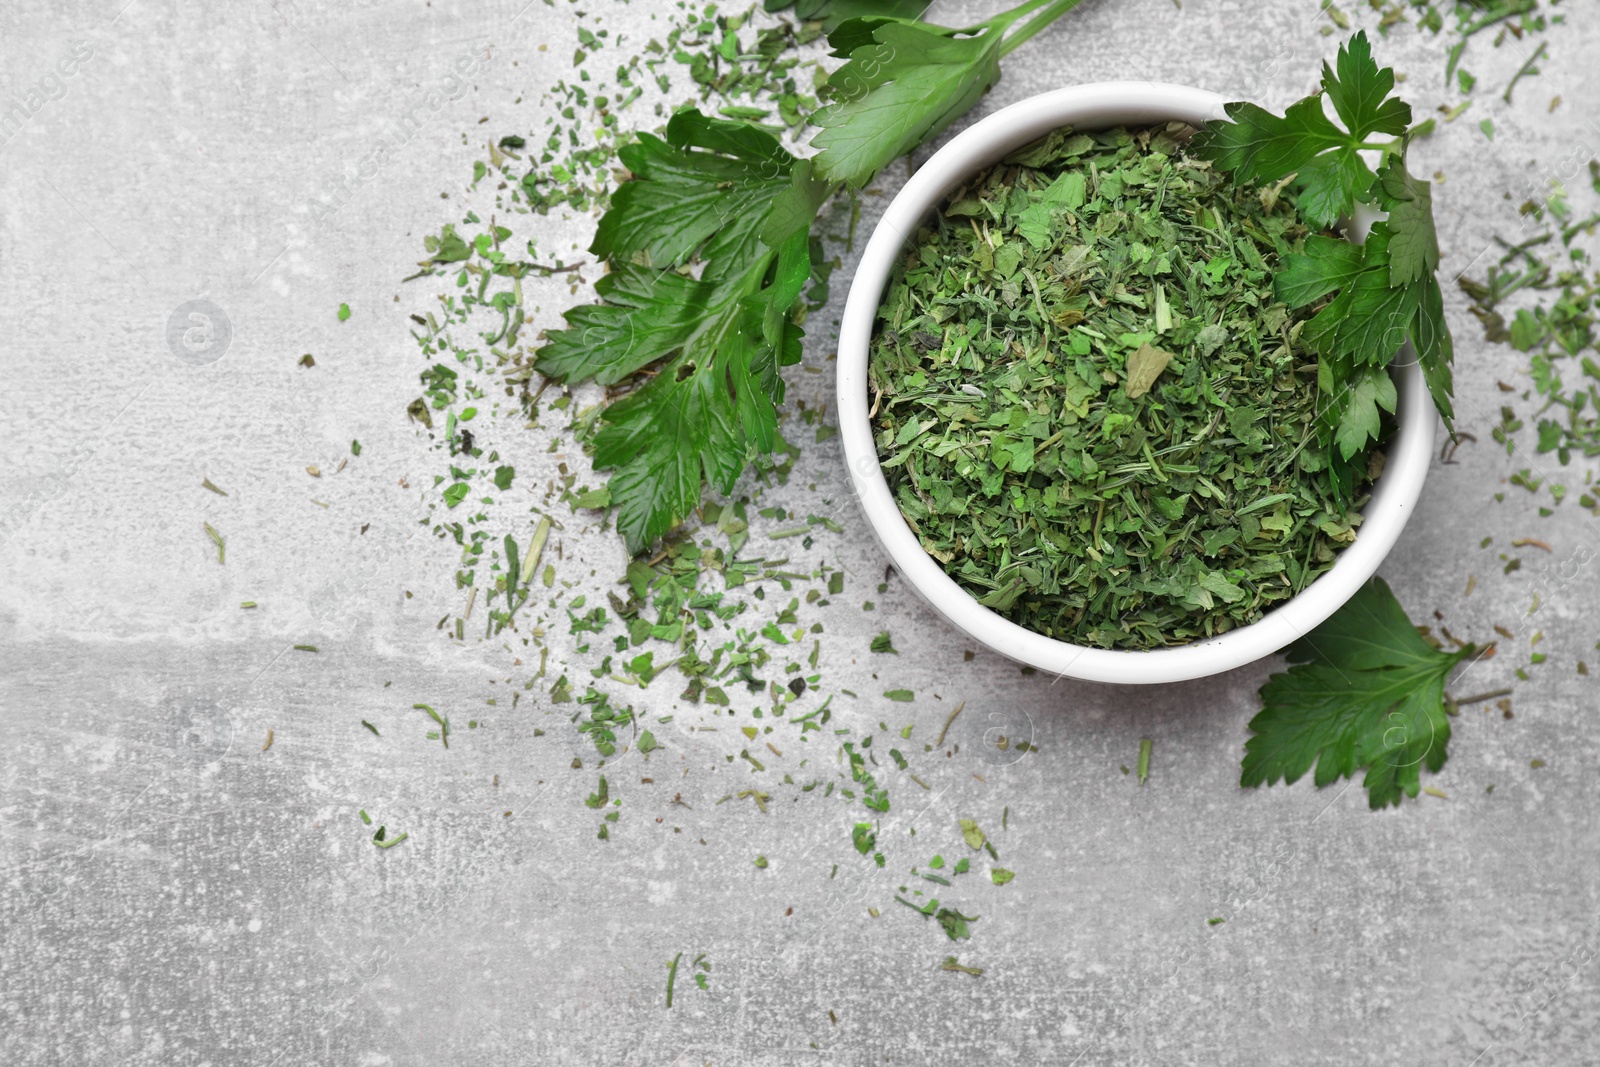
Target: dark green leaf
(1327, 264)
(1369, 320)
(1359, 91)
(702, 415)
(1413, 243)
(1435, 350)
(1365, 692)
(1330, 185)
(720, 338)
(707, 189)
(1258, 147)
(898, 91)
(644, 315)
(1359, 418)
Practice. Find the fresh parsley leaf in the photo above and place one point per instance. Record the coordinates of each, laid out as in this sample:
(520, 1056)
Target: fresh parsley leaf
(910, 82)
(1328, 263)
(1359, 421)
(1435, 350)
(704, 414)
(1387, 294)
(905, 81)
(1258, 147)
(1360, 91)
(711, 406)
(707, 189)
(1330, 184)
(1369, 320)
(1413, 259)
(644, 315)
(725, 193)
(1380, 295)
(1365, 692)
(1413, 244)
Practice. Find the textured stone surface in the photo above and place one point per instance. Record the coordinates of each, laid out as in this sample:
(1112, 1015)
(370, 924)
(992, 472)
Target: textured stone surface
(173, 894)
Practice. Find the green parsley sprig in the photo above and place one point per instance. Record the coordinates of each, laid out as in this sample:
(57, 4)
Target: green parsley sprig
(1377, 295)
(709, 248)
(725, 194)
(1365, 692)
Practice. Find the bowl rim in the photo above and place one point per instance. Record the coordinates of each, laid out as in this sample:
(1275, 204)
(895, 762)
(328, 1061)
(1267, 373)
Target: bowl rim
(1394, 494)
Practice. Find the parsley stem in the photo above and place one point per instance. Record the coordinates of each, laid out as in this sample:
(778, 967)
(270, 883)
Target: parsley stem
(1526, 69)
(946, 728)
(1478, 698)
(1569, 232)
(1050, 13)
(951, 963)
(444, 724)
(1498, 13)
(1002, 21)
(672, 976)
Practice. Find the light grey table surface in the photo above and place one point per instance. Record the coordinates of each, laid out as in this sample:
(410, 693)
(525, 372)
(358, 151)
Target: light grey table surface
(173, 894)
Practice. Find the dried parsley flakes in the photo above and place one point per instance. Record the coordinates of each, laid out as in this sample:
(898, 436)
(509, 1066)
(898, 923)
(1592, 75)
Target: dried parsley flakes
(1089, 406)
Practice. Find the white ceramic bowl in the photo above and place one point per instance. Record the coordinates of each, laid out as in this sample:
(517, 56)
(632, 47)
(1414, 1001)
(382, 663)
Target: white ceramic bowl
(1394, 495)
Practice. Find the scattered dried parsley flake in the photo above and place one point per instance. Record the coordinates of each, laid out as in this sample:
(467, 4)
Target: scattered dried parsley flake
(216, 539)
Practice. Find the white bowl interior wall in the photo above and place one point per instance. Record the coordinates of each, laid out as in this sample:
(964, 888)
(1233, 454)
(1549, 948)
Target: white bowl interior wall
(1101, 105)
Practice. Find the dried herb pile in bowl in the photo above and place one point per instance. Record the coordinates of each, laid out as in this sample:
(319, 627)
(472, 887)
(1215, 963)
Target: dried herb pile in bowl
(1089, 405)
